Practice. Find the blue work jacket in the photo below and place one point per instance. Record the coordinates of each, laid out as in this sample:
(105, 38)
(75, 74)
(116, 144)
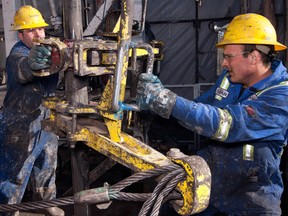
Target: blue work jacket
(248, 130)
(23, 143)
(25, 91)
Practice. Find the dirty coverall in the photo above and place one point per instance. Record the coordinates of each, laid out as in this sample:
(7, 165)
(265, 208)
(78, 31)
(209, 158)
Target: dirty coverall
(27, 151)
(249, 132)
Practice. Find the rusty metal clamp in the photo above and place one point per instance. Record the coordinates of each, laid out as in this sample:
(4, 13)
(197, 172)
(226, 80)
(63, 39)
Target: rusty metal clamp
(195, 188)
(59, 56)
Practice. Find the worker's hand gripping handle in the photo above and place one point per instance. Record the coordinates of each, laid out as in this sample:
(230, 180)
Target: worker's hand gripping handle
(49, 57)
(40, 58)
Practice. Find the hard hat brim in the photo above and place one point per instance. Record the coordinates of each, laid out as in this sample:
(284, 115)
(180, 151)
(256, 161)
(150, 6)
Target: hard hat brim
(30, 27)
(277, 46)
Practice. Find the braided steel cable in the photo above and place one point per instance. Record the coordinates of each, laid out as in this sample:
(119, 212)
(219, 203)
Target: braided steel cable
(142, 197)
(161, 191)
(164, 193)
(141, 176)
(136, 197)
(163, 188)
(146, 208)
(37, 204)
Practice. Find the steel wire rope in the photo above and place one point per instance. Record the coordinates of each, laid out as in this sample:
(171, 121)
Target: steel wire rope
(113, 191)
(126, 196)
(141, 176)
(36, 204)
(155, 199)
(169, 187)
(146, 208)
(142, 197)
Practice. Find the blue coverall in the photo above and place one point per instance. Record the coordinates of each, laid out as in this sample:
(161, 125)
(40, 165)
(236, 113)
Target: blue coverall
(248, 128)
(28, 153)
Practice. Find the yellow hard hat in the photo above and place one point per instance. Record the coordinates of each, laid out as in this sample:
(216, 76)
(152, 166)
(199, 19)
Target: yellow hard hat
(251, 28)
(28, 17)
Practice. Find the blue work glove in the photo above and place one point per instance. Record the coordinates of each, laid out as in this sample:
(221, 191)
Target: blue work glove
(151, 95)
(39, 57)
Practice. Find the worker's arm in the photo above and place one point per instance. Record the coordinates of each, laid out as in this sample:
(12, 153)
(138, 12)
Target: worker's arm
(24, 66)
(260, 118)
(254, 119)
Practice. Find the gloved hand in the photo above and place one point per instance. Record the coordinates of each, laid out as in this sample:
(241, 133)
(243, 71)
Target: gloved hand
(39, 57)
(151, 95)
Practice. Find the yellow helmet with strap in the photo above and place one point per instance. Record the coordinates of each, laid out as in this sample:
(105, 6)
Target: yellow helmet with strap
(28, 17)
(251, 28)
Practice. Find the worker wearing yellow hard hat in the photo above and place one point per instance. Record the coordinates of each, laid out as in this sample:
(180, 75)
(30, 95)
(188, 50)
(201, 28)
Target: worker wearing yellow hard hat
(28, 153)
(244, 115)
(28, 17)
(29, 23)
(240, 31)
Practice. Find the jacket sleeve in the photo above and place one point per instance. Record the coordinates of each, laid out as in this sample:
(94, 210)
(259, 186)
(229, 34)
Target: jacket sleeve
(261, 117)
(18, 66)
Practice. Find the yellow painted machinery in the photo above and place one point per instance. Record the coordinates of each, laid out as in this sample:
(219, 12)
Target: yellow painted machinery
(99, 124)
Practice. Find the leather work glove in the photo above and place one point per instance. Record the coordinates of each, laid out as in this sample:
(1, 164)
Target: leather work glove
(151, 95)
(39, 57)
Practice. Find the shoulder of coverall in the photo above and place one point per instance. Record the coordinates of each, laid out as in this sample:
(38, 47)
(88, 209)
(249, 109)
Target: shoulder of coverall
(277, 79)
(279, 72)
(278, 65)
(20, 49)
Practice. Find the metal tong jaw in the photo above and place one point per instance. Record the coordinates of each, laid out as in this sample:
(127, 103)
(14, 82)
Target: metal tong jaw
(59, 56)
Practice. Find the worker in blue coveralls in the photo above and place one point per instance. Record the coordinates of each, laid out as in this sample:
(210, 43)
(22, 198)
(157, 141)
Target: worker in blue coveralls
(245, 114)
(28, 153)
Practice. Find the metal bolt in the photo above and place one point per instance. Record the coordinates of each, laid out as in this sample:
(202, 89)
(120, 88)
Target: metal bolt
(175, 153)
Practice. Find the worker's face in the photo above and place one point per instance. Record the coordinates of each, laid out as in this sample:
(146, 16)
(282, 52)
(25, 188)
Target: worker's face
(237, 65)
(27, 35)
